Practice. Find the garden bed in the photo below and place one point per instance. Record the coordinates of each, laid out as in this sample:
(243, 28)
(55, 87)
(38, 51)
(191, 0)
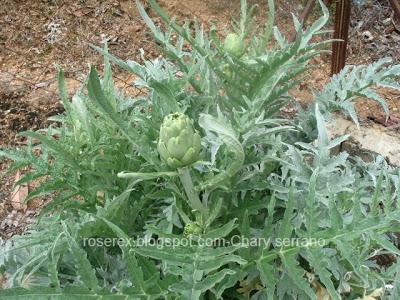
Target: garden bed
(201, 149)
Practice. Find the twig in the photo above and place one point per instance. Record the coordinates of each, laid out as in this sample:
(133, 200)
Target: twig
(396, 7)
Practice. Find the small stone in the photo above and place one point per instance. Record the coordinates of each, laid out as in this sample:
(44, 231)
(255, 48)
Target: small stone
(367, 36)
(387, 21)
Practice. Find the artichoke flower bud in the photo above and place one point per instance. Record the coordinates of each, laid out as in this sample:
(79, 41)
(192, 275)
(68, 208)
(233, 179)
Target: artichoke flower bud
(192, 229)
(227, 70)
(233, 44)
(179, 143)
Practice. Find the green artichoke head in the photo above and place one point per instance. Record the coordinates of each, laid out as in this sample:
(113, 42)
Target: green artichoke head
(233, 44)
(192, 229)
(179, 143)
(227, 70)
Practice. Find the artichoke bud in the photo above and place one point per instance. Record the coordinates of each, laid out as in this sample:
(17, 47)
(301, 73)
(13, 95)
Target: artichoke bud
(179, 143)
(192, 229)
(227, 70)
(233, 44)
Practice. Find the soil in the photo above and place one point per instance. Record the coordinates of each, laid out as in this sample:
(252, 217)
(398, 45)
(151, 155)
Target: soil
(374, 34)
(5, 188)
(35, 36)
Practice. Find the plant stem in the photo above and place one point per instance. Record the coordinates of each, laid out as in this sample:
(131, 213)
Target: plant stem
(193, 198)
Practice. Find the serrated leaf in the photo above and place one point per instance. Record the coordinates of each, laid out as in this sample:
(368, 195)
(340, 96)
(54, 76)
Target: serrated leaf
(267, 274)
(286, 228)
(133, 268)
(228, 136)
(83, 266)
(296, 273)
(316, 259)
(53, 146)
(222, 231)
(96, 93)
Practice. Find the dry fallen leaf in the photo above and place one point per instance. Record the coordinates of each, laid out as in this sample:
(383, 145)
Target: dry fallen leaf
(2, 209)
(320, 290)
(322, 293)
(376, 294)
(3, 281)
(19, 194)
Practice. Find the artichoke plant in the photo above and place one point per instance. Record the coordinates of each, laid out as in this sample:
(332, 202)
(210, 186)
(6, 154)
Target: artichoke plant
(233, 44)
(179, 143)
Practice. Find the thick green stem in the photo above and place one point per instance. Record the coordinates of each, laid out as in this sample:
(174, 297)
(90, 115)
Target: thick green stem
(193, 197)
